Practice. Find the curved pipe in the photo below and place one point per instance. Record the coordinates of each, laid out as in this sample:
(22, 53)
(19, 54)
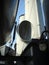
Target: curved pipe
(8, 10)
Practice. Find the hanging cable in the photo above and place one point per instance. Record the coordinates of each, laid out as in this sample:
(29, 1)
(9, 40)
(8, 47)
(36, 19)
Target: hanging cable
(14, 32)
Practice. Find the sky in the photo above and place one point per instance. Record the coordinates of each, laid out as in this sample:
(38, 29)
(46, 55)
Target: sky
(21, 9)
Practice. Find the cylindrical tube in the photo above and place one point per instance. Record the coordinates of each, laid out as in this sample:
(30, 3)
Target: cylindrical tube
(8, 9)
